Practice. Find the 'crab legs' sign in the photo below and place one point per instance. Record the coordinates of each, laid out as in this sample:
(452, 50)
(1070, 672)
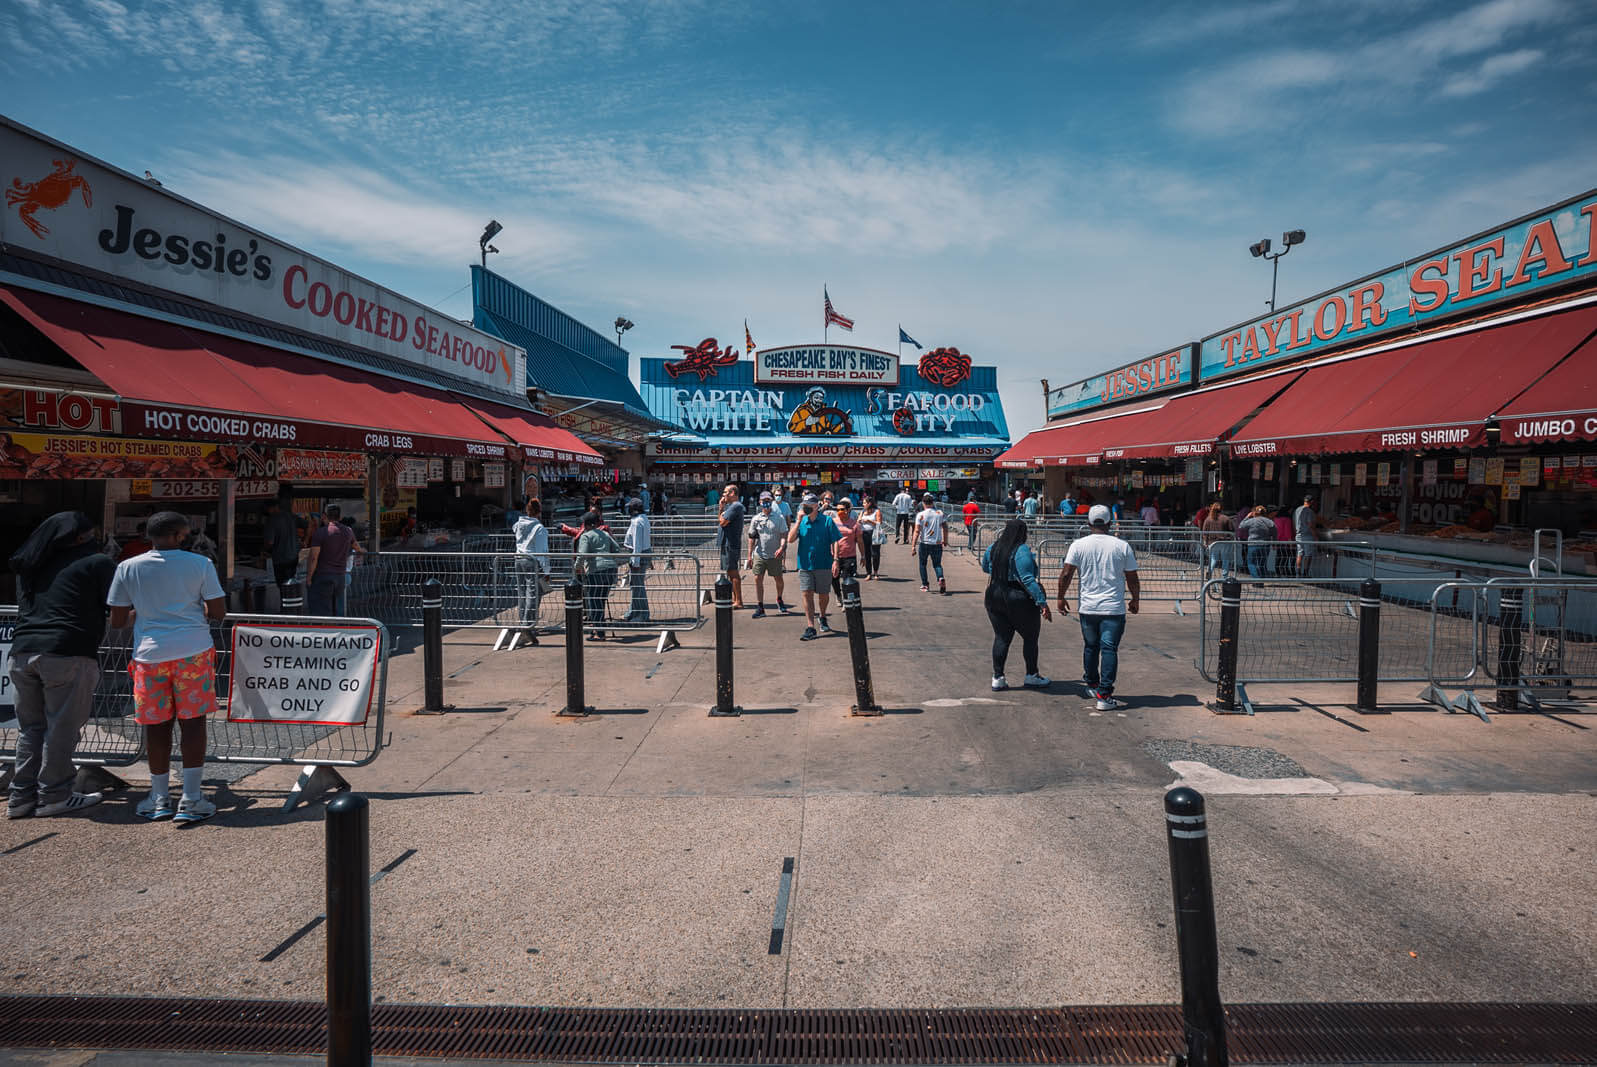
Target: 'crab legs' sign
(1549, 248)
(1156, 374)
(824, 365)
(63, 204)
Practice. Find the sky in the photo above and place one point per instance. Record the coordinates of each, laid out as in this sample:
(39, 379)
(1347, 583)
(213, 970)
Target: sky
(1057, 188)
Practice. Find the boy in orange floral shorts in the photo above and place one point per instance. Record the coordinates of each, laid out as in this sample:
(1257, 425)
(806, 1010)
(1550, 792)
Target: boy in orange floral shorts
(171, 596)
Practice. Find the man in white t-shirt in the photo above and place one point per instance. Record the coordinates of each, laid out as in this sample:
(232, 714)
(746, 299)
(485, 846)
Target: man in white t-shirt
(170, 595)
(904, 505)
(931, 535)
(1108, 570)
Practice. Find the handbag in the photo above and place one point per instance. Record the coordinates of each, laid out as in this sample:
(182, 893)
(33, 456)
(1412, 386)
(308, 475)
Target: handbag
(879, 535)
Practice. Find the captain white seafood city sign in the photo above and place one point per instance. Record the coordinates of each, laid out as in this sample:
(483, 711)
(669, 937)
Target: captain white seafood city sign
(65, 205)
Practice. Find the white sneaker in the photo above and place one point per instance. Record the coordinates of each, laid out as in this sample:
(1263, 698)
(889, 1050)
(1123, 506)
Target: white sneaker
(1037, 681)
(999, 683)
(75, 802)
(1109, 703)
(193, 809)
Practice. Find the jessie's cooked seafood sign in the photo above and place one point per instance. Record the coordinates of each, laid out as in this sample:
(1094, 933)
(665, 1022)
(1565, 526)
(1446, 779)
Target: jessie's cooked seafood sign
(62, 204)
(28, 455)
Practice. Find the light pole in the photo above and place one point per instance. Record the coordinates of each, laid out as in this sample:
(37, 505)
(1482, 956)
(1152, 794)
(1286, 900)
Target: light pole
(488, 234)
(622, 325)
(1261, 250)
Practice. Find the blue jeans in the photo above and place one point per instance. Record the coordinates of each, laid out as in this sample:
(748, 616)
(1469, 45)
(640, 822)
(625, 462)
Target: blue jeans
(1100, 650)
(1259, 559)
(1222, 557)
(322, 596)
(935, 554)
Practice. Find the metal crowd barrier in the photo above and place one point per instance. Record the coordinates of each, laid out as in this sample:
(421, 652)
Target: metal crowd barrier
(1307, 630)
(1538, 641)
(112, 738)
(500, 591)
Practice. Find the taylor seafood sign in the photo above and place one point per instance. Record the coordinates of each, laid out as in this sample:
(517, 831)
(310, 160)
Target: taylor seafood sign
(1546, 249)
(63, 204)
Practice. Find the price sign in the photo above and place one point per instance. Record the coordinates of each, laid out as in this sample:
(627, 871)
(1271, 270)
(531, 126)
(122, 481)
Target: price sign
(304, 674)
(435, 469)
(457, 471)
(493, 475)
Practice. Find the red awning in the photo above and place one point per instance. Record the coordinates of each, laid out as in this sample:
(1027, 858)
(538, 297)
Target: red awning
(1562, 406)
(179, 382)
(538, 436)
(1191, 424)
(1431, 395)
(1072, 444)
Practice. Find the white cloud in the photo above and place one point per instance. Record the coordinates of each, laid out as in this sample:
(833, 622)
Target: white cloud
(1493, 70)
(339, 210)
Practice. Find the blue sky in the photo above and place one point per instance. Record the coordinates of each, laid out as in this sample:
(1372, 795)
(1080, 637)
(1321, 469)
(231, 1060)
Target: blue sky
(1056, 188)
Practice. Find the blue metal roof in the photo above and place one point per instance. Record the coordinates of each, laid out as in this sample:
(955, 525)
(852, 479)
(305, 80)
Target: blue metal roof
(564, 357)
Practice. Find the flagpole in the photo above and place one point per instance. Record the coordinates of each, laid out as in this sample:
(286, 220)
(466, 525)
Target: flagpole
(826, 326)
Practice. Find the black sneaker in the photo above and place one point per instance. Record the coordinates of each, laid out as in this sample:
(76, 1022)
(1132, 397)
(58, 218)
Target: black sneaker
(783, 608)
(825, 629)
(759, 612)
(808, 634)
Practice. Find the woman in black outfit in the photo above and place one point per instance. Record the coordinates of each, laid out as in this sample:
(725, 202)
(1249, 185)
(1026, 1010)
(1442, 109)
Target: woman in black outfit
(1016, 602)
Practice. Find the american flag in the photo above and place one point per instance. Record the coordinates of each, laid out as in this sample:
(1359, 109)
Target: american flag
(748, 339)
(832, 317)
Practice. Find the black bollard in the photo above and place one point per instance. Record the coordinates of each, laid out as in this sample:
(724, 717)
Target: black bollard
(854, 614)
(1509, 648)
(293, 598)
(575, 682)
(1369, 646)
(1225, 690)
(432, 643)
(349, 932)
(723, 649)
(1202, 1015)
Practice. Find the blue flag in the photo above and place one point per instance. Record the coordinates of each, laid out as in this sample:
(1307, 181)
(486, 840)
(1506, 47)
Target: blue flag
(906, 339)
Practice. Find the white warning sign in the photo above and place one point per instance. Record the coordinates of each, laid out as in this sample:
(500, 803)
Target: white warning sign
(8, 698)
(303, 674)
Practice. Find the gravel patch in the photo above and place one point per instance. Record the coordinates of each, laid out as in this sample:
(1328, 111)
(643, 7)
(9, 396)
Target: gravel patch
(1242, 761)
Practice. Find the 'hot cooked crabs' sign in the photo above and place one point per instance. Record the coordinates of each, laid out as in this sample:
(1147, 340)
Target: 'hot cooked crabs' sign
(63, 204)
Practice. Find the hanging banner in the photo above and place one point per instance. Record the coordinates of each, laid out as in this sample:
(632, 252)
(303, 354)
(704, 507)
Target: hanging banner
(304, 674)
(26, 455)
(312, 465)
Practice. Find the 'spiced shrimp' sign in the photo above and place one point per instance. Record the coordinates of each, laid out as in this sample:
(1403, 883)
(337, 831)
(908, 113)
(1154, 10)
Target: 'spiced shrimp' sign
(1549, 248)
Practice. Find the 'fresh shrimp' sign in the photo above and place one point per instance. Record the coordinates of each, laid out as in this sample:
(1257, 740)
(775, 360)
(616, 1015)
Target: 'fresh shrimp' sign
(67, 206)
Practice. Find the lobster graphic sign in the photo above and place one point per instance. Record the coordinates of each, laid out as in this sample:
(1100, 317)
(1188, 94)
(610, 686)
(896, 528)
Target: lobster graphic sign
(704, 359)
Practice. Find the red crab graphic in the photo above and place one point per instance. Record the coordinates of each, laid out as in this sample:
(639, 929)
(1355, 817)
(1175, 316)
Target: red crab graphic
(946, 367)
(904, 421)
(49, 192)
(704, 359)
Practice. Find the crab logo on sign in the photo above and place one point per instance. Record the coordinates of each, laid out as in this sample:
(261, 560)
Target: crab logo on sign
(48, 193)
(704, 359)
(946, 367)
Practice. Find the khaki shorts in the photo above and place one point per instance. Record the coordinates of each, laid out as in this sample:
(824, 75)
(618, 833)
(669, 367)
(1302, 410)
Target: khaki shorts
(763, 567)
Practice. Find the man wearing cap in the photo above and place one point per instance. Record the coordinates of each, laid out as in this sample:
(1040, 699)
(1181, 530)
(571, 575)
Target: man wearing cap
(1108, 574)
(767, 546)
(931, 537)
(1303, 520)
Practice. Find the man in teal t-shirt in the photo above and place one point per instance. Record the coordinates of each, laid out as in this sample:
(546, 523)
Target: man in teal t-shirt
(815, 534)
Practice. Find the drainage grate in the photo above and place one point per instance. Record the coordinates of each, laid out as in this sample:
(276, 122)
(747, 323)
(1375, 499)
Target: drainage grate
(1258, 1033)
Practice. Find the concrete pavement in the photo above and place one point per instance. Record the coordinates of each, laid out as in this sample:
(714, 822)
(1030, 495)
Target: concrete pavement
(968, 848)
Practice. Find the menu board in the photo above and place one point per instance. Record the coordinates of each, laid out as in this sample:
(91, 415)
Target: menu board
(493, 475)
(412, 473)
(1361, 473)
(1383, 473)
(457, 470)
(1494, 471)
(1530, 471)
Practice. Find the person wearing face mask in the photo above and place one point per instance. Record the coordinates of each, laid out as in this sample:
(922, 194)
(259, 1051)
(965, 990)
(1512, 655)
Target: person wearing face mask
(767, 546)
